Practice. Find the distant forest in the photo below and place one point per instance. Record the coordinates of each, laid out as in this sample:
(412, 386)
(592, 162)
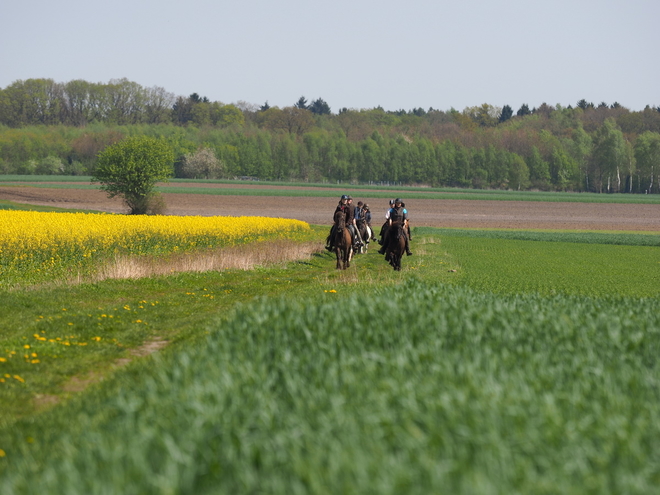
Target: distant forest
(48, 127)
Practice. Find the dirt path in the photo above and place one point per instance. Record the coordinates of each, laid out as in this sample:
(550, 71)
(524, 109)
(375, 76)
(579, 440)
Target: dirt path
(423, 212)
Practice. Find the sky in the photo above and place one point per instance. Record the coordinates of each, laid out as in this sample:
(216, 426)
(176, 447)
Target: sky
(356, 54)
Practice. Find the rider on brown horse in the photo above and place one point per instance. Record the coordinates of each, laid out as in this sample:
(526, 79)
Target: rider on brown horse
(396, 214)
(344, 208)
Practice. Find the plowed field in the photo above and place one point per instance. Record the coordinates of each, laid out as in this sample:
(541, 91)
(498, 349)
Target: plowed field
(423, 212)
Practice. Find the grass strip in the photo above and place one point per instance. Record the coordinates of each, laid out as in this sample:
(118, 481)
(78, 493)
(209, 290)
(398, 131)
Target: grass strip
(583, 237)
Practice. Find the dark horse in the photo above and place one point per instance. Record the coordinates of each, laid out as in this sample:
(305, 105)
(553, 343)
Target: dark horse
(342, 242)
(395, 243)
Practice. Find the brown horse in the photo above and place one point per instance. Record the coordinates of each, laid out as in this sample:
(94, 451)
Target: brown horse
(342, 242)
(395, 245)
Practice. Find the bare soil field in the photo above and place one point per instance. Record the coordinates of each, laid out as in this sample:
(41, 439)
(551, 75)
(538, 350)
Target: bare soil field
(424, 212)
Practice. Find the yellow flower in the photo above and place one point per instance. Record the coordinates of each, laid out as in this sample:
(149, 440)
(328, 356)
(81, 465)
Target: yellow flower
(26, 346)
(2, 453)
(16, 377)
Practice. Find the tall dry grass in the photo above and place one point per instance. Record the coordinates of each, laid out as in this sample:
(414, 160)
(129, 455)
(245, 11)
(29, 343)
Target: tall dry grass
(243, 257)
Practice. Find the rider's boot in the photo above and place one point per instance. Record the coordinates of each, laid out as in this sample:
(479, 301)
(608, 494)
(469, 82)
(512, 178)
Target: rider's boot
(328, 240)
(408, 252)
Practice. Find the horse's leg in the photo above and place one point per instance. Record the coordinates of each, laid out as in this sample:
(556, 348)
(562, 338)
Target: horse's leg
(339, 257)
(399, 255)
(349, 251)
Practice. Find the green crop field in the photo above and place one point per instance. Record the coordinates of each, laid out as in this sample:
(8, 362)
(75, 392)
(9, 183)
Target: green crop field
(496, 362)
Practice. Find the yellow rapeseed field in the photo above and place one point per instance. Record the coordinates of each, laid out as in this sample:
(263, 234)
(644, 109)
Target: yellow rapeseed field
(39, 241)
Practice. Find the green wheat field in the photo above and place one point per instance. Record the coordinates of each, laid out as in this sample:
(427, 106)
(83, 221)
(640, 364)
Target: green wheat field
(495, 362)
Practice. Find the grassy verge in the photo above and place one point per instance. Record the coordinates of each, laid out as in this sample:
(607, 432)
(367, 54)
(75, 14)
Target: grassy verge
(12, 205)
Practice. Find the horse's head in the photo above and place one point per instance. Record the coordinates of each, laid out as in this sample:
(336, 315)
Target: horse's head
(340, 219)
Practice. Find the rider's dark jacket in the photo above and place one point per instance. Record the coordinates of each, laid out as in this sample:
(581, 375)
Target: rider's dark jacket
(350, 214)
(342, 208)
(398, 214)
(358, 214)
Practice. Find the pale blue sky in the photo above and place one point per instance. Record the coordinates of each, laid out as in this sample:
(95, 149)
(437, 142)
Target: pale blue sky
(351, 53)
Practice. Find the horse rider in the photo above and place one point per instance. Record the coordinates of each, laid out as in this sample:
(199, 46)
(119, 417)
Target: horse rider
(359, 217)
(385, 226)
(367, 219)
(344, 207)
(397, 214)
(351, 223)
(358, 213)
(407, 223)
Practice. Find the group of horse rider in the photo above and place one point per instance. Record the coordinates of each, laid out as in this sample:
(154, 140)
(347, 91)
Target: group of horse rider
(356, 216)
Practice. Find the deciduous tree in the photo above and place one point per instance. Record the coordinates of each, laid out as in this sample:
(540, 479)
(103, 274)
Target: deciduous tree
(647, 156)
(609, 156)
(202, 164)
(131, 168)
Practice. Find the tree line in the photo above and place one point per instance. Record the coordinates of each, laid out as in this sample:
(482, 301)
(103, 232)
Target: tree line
(60, 128)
